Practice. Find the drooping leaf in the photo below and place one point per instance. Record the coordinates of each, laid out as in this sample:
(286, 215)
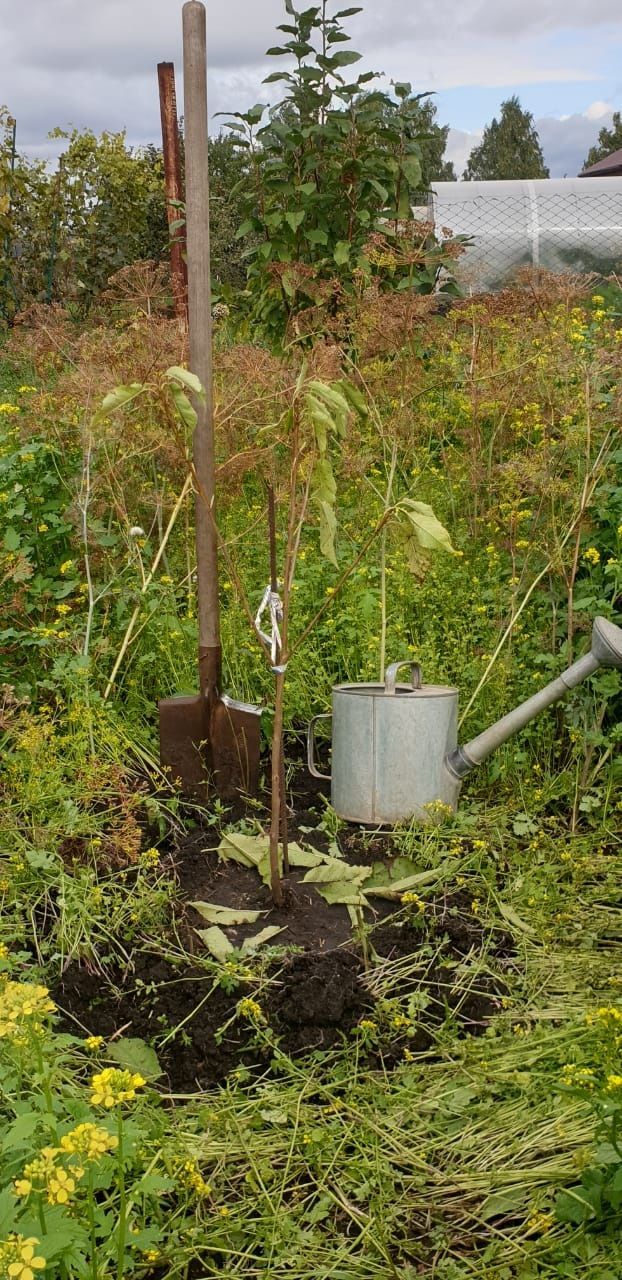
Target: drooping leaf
(183, 406)
(226, 916)
(188, 380)
(118, 398)
(343, 893)
(328, 530)
(427, 529)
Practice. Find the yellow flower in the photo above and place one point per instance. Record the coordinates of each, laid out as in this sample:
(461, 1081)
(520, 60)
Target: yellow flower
(93, 1043)
(18, 1259)
(150, 857)
(614, 1082)
(23, 1005)
(250, 1009)
(413, 899)
(476, 906)
(4, 950)
(43, 527)
(63, 609)
(22, 390)
(9, 408)
(88, 1140)
(112, 1087)
(66, 566)
(189, 1175)
(60, 1187)
(540, 1222)
(591, 555)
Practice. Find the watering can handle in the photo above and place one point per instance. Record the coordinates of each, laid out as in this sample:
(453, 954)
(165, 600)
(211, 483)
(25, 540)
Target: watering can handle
(313, 770)
(390, 677)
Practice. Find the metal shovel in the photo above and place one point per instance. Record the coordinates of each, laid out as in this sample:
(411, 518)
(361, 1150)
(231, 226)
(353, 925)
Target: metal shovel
(207, 739)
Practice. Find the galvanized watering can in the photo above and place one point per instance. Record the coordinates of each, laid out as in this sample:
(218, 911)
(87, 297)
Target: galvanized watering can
(395, 746)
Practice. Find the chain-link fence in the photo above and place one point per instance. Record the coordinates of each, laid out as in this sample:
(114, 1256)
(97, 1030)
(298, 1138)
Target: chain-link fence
(562, 225)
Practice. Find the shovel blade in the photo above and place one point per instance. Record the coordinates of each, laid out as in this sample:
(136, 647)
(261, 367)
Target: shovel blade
(235, 747)
(184, 733)
(218, 751)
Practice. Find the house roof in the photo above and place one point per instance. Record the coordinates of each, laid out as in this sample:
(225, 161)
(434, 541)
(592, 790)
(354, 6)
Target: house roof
(610, 166)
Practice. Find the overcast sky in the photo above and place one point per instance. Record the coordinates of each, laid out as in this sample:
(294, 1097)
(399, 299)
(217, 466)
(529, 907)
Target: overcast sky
(93, 62)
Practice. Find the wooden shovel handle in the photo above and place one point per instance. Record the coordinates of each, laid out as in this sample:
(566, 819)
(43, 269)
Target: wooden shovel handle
(200, 336)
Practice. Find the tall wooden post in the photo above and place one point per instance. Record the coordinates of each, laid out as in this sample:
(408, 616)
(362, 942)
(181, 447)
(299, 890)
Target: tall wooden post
(173, 185)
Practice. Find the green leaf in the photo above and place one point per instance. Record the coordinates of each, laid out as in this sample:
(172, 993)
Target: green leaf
(577, 1205)
(345, 58)
(334, 870)
(428, 531)
(328, 530)
(343, 893)
(183, 406)
(216, 942)
(295, 219)
(188, 380)
(316, 237)
(116, 399)
(342, 252)
(249, 850)
(11, 539)
(502, 1203)
(411, 168)
(135, 1055)
(245, 229)
(226, 916)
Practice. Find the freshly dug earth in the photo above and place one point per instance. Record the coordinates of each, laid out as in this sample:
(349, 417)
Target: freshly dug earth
(310, 1001)
(314, 997)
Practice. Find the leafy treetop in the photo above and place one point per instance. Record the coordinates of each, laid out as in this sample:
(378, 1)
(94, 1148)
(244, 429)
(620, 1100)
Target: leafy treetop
(509, 149)
(608, 140)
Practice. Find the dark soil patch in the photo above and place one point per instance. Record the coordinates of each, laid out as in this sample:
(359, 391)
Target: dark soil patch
(312, 1002)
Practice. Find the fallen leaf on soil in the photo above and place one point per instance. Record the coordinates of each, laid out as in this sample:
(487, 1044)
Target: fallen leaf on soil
(258, 939)
(225, 915)
(342, 892)
(216, 942)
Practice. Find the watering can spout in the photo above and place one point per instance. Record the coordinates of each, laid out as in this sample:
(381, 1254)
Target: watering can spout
(606, 651)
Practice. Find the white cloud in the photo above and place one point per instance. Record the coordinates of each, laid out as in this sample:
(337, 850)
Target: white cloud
(597, 110)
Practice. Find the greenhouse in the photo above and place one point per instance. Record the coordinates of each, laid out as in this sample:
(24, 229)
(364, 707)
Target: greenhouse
(564, 224)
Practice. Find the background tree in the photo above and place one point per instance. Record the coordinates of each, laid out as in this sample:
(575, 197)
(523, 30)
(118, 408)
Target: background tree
(415, 115)
(334, 164)
(608, 140)
(510, 148)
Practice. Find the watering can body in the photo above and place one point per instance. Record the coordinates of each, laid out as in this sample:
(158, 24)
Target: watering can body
(395, 752)
(389, 743)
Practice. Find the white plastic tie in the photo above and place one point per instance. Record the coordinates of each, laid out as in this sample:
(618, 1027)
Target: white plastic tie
(272, 605)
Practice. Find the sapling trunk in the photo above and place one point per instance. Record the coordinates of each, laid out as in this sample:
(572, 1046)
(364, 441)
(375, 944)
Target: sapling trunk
(277, 740)
(278, 823)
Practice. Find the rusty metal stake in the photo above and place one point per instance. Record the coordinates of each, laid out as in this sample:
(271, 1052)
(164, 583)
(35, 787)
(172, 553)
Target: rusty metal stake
(173, 186)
